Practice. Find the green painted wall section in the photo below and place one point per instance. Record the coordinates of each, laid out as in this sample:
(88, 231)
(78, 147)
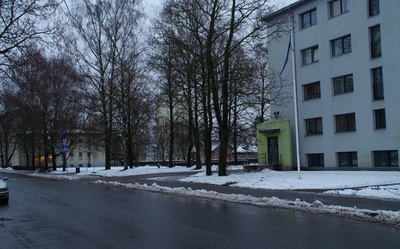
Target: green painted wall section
(284, 142)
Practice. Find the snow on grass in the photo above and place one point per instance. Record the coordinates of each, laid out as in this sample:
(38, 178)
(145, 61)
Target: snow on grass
(281, 180)
(375, 184)
(382, 192)
(143, 170)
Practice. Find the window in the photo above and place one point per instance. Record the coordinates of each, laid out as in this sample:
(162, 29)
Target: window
(373, 6)
(312, 91)
(341, 45)
(346, 122)
(80, 155)
(308, 19)
(316, 160)
(71, 153)
(380, 119)
(386, 158)
(314, 126)
(376, 41)
(347, 159)
(377, 82)
(310, 55)
(343, 84)
(338, 7)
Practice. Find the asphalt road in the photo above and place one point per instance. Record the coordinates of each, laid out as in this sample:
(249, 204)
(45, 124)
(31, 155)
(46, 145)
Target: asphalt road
(310, 195)
(69, 214)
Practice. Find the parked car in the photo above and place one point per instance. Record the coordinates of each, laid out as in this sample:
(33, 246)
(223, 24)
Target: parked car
(4, 195)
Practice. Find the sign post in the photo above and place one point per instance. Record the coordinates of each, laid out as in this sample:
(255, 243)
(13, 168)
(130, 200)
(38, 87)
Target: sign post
(64, 150)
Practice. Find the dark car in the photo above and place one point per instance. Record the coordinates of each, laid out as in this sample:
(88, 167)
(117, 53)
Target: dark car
(4, 196)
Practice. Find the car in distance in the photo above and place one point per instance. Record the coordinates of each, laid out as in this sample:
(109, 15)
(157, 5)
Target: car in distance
(4, 195)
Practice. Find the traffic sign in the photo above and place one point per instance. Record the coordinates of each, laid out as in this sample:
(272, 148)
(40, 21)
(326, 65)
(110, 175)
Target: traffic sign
(64, 148)
(64, 135)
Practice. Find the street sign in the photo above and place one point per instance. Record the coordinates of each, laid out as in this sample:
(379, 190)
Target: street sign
(64, 135)
(64, 148)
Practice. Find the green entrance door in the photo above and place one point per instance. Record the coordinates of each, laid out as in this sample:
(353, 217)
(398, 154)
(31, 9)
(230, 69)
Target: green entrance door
(273, 150)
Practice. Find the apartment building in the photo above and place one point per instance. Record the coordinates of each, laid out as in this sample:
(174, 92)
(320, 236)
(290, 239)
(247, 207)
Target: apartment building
(344, 66)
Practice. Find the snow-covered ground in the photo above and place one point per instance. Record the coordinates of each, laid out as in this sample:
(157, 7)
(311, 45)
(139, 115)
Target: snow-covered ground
(376, 184)
(373, 184)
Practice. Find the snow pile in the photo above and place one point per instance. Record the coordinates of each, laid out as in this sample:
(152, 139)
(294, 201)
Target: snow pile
(382, 216)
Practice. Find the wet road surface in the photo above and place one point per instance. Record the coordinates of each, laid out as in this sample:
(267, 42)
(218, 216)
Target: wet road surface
(70, 214)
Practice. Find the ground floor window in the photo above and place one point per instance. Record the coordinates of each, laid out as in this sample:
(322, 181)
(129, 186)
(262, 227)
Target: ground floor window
(315, 160)
(347, 159)
(386, 158)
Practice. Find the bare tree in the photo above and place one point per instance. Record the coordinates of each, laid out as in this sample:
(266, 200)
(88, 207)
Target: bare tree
(187, 68)
(182, 69)
(242, 24)
(100, 39)
(8, 124)
(241, 80)
(67, 112)
(93, 49)
(168, 94)
(221, 29)
(132, 98)
(181, 32)
(24, 21)
(133, 111)
(48, 102)
(267, 86)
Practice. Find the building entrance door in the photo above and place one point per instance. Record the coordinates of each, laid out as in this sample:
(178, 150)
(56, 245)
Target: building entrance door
(273, 151)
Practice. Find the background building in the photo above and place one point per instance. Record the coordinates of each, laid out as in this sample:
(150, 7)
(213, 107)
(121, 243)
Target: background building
(84, 150)
(346, 75)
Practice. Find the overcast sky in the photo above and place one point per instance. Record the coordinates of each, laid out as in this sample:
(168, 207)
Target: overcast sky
(152, 5)
(280, 2)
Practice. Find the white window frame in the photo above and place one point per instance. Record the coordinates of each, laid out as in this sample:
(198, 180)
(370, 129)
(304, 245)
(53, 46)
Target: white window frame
(310, 55)
(310, 17)
(342, 5)
(341, 45)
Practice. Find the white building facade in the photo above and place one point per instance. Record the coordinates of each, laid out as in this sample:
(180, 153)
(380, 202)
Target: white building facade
(345, 66)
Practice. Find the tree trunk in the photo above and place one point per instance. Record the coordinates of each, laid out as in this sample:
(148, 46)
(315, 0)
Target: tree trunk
(53, 160)
(107, 151)
(171, 134)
